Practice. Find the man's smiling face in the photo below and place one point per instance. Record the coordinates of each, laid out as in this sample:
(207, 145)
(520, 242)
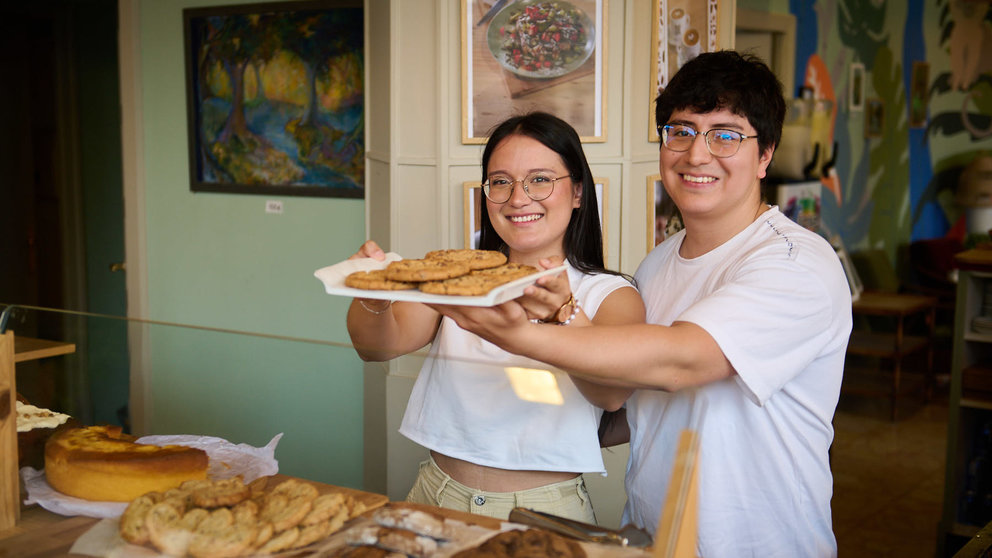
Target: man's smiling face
(704, 186)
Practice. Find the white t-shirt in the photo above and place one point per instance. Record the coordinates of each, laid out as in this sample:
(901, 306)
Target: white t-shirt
(776, 300)
(463, 403)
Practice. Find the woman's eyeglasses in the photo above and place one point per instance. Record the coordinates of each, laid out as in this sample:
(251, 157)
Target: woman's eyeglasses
(537, 185)
(721, 143)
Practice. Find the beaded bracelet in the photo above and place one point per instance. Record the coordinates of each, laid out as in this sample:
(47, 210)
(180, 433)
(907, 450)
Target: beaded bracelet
(575, 312)
(376, 312)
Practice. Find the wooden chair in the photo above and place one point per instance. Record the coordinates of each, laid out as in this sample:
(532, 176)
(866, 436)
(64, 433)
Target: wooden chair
(891, 324)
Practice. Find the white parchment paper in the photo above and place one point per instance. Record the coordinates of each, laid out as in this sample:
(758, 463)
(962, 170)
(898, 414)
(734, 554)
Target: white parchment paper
(226, 460)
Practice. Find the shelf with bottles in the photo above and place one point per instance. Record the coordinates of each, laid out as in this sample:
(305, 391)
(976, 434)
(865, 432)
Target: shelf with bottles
(973, 489)
(978, 310)
(976, 385)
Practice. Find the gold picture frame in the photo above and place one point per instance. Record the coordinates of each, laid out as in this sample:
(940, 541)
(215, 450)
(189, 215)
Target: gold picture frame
(856, 88)
(603, 200)
(472, 196)
(472, 208)
(496, 86)
(663, 218)
(683, 29)
(874, 117)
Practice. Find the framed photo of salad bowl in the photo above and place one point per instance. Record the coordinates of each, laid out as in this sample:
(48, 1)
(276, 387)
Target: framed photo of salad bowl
(524, 55)
(683, 30)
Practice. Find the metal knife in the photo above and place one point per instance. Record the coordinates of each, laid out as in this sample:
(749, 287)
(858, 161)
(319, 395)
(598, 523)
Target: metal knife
(627, 535)
(496, 7)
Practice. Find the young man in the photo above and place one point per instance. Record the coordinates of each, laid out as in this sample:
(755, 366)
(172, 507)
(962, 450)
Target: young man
(748, 317)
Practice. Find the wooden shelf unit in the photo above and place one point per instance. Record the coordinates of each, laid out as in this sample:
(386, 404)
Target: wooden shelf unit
(13, 350)
(969, 424)
(29, 348)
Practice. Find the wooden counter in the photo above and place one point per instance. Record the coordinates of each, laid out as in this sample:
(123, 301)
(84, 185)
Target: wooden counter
(41, 533)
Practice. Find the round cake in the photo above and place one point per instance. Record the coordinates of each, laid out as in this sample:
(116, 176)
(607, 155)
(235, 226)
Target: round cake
(102, 463)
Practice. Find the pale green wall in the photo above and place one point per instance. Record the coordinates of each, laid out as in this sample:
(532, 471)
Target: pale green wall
(219, 260)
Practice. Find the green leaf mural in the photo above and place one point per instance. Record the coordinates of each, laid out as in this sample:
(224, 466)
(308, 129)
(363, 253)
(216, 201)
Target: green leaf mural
(888, 170)
(861, 26)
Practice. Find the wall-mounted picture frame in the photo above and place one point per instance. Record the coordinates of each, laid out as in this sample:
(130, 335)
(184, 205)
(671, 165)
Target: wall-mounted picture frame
(683, 29)
(472, 213)
(517, 58)
(874, 118)
(663, 217)
(856, 88)
(919, 95)
(275, 98)
(472, 208)
(854, 282)
(603, 200)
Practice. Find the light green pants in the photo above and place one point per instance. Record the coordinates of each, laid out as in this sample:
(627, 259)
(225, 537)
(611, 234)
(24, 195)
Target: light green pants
(565, 499)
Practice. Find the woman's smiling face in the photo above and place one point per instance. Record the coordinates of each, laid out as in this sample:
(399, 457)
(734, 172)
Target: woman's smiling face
(531, 229)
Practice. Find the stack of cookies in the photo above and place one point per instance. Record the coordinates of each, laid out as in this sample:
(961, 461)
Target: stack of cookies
(447, 272)
(227, 518)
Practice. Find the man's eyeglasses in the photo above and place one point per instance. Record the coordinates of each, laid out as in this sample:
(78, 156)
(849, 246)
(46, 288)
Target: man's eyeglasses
(721, 143)
(537, 185)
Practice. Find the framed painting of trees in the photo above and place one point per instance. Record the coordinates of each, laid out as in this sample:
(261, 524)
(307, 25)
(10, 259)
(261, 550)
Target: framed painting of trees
(275, 98)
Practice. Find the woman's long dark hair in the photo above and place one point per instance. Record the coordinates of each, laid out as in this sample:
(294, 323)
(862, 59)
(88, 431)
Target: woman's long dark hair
(583, 237)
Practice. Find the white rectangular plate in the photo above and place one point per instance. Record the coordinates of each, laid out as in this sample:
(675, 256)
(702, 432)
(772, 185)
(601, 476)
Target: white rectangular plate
(333, 279)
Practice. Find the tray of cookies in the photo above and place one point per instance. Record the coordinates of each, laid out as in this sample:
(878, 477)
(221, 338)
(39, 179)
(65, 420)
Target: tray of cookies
(419, 531)
(461, 277)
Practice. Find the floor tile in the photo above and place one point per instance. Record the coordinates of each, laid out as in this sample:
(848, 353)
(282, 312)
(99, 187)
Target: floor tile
(888, 477)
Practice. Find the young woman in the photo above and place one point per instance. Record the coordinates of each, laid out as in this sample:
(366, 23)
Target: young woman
(490, 450)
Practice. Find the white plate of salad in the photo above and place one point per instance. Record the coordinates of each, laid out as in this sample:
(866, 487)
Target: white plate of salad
(541, 38)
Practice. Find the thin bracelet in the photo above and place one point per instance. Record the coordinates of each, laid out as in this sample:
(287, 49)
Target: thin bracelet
(376, 312)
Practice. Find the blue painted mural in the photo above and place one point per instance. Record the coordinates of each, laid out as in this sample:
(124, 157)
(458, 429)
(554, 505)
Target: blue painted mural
(928, 87)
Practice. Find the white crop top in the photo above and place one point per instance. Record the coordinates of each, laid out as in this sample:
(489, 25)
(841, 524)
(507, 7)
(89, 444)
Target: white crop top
(463, 403)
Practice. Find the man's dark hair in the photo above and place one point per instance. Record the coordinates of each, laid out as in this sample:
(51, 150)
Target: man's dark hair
(740, 83)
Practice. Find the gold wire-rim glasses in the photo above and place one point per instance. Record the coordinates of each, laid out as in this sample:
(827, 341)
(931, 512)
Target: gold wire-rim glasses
(529, 182)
